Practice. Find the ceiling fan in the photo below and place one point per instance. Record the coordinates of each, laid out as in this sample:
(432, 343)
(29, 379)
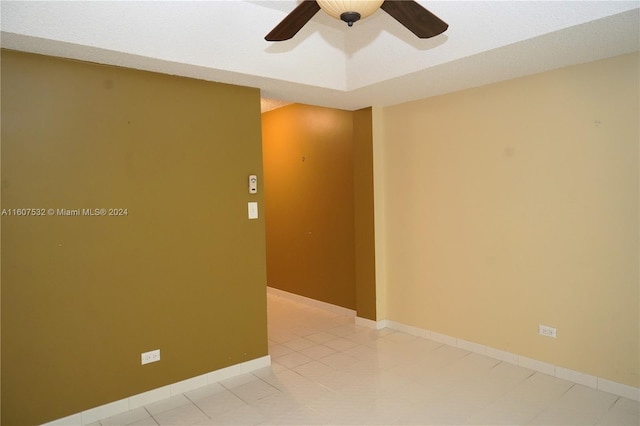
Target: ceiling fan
(409, 13)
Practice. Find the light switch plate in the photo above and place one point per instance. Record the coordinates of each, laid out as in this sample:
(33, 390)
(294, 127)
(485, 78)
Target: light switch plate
(253, 210)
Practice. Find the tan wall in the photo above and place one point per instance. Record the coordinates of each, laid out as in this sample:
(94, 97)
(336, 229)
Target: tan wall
(183, 272)
(516, 204)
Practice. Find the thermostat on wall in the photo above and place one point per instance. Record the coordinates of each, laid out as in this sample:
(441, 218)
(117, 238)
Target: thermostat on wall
(253, 184)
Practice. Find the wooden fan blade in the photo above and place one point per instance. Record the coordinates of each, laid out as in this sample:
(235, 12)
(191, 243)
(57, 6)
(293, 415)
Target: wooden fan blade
(416, 18)
(294, 21)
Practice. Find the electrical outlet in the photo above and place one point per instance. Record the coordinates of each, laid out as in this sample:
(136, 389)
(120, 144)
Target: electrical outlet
(545, 330)
(151, 356)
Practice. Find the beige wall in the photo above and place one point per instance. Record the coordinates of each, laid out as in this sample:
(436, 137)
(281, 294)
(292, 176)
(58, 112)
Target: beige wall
(183, 272)
(516, 204)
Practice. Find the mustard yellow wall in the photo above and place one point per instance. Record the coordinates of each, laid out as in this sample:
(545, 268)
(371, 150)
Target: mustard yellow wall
(319, 204)
(308, 178)
(379, 222)
(183, 272)
(364, 223)
(516, 204)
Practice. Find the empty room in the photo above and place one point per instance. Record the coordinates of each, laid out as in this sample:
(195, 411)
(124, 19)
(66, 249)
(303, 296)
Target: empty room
(333, 212)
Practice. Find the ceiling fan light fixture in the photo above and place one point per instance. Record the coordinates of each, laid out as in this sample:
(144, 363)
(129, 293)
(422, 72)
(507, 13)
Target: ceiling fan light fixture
(409, 13)
(350, 11)
(350, 17)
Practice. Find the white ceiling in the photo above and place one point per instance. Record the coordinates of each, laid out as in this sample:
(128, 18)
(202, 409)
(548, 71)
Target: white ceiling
(376, 62)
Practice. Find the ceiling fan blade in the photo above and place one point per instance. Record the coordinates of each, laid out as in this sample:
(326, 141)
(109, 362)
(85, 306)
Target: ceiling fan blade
(416, 18)
(294, 21)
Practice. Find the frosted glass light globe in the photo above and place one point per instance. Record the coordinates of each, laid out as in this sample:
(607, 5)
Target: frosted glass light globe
(336, 8)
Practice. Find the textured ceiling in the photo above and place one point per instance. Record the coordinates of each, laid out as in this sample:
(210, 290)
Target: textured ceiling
(376, 62)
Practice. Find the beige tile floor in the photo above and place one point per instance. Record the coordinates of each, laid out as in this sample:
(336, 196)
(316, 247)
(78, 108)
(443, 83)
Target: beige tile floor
(327, 371)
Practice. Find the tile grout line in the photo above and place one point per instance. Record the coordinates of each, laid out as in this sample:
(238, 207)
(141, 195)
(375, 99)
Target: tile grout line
(194, 404)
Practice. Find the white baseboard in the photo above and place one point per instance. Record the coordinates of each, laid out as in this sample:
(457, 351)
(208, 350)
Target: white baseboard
(522, 361)
(515, 359)
(374, 325)
(118, 407)
(364, 322)
(311, 302)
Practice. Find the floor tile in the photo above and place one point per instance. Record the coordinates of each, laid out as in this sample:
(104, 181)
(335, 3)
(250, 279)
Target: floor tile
(204, 392)
(324, 375)
(582, 398)
(318, 351)
(563, 417)
(623, 412)
(282, 336)
(279, 350)
(401, 337)
(276, 405)
(238, 380)
(339, 361)
(219, 403)
(184, 415)
(344, 330)
(244, 415)
(167, 404)
(314, 370)
(326, 370)
(253, 391)
(150, 421)
(321, 337)
(505, 413)
(299, 388)
(299, 344)
(389, 410)
(299, 416)
(128, 418)
(340, 344)
(293, 360)
(509, 374)
(540, 389)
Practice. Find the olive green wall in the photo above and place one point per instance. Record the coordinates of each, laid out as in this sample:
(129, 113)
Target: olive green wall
(183, 272)
(365, 260)
(516, 204)
(312, 158)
